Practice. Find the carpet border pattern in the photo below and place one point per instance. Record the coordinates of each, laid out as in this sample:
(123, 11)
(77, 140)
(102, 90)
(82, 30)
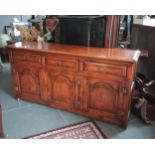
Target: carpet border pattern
(99, 134)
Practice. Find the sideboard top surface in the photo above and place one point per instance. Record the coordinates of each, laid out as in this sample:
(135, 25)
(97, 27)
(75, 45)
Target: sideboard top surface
(118, 54)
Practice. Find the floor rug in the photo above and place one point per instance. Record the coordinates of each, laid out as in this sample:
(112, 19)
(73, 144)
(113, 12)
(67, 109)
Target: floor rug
(84, 130)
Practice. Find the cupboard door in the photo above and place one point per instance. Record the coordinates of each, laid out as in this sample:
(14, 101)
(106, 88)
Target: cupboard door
(104, 95)
(26, 81)
(64, 89)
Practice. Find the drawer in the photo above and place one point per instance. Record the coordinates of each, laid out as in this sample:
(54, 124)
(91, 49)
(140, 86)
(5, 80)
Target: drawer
(62, 63)
(105, 68)
(33, 58)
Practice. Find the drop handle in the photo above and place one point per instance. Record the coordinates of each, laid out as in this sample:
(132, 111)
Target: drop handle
(121, 113)
(102, 69)
(60, 63)
(78, 82)
(125, 90)
(13, 70)
(77, 103)
(16, 88)
(24, 58)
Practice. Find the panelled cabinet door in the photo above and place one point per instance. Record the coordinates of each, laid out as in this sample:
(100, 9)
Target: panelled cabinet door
(26, 81)
(64, 90)
(104, 95)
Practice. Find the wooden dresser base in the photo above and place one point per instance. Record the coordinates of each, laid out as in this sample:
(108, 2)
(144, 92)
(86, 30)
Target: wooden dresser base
(93, 82)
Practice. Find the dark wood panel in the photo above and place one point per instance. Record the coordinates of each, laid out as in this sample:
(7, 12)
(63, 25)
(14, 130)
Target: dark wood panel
(82, 30)
(143, 39)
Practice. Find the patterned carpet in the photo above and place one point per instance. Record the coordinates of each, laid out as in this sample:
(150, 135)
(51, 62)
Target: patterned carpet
(84, 130)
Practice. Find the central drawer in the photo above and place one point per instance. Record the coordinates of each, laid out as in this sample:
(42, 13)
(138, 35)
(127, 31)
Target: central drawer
(105, 68)
(62, 63)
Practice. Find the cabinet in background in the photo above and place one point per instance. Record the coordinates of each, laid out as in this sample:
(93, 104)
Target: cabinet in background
(142, 38)
(82, 30)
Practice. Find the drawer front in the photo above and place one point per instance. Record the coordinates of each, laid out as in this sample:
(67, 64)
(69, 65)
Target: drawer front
(105, 68)
(24, 57)
(62, 63)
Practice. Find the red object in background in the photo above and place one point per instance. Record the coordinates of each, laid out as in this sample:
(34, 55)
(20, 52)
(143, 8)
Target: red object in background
(51, 23)
(143, 99)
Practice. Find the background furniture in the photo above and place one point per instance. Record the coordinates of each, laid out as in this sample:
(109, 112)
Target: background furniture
(143, 39)
(92, 30)
(112, 31)
(82, 30)
(3, 42)
(3, 55)
(95, 82)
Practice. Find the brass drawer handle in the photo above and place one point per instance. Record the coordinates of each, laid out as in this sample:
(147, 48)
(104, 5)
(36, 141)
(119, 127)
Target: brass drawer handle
(60, 63)
(125, 90)
(121, 113)
(13, 70)
(78, 82)
(77, 103)
(102, 69)
(24, 58)
(16, 88)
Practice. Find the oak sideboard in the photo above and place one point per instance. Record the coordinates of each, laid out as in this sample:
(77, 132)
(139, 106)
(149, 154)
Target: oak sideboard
(94, 82)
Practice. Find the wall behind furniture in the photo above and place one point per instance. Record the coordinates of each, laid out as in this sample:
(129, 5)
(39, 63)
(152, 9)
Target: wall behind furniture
(6, 19)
